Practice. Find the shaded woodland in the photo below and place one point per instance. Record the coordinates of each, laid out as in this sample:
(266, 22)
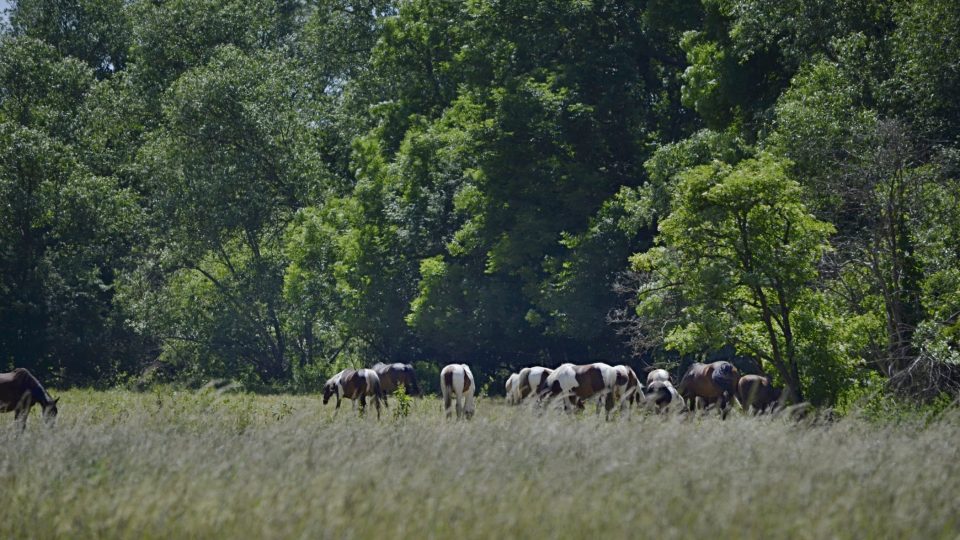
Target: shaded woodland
(270, 190)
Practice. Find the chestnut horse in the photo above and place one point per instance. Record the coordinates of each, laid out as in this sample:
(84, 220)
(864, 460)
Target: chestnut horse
(393, 375)
(355, 385)
(575, 384)
(710, 383)
(757, 392)
(456, 382)
(19, 390)
(532, 381)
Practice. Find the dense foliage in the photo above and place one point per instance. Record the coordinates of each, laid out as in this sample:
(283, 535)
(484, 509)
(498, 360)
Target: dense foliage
(269, 190)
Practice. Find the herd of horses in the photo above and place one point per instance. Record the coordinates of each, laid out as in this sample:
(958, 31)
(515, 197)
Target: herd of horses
(717, 384)
(703, 386)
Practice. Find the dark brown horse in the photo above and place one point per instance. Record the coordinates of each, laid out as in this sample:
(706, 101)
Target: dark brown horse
(710, 383)
(19, 390)
(757, 392)
(355, 385)
(393, 375)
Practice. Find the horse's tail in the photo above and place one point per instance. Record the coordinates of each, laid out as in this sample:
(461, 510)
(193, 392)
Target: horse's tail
(378, 393)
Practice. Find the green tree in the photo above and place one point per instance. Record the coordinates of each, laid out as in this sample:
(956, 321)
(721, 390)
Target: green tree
(227, 170)
(66, 231)
(740, 249)
(96, 32)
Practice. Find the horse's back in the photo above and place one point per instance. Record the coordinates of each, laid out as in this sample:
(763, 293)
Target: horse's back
(19, 374)
(371, 381)
(458, 378)
(14, 383)
(593, 378)
(756, 390)
(658, 374)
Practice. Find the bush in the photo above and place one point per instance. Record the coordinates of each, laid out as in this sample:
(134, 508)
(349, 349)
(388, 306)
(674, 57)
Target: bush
(872, 400)
(404, 402)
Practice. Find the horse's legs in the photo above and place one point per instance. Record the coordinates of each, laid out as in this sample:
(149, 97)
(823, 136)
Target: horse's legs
(20, 418)
(376, 401)
(446, 401)
(468, 406)
(363, 403)
(459, 406)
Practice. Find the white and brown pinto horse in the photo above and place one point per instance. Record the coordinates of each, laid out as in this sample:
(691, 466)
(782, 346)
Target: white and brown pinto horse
(576, 384)
(710, 383)
(512, 387)
(355, 385)
(532, 381)
(456, 383)
(658, 374)
(661, 394)
(627, 389)
(19, 390)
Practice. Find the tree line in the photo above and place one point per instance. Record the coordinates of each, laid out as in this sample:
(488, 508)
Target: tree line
(270, 190)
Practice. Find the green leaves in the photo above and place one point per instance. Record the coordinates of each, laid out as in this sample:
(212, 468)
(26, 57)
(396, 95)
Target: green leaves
(741, 250)
(39, 88)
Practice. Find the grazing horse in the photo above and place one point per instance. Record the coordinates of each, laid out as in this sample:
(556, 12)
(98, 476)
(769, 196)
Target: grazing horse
(393, 375)
(355, 385)
(757, 392)
(712, 383)
(662, 395)
(627, 389)
(19, 390)
(658, 374)
(513, 389)
(456, 382)
(576, 384)
(532, 381)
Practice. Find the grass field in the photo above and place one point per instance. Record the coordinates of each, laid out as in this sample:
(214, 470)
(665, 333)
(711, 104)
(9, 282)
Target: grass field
(203, 465)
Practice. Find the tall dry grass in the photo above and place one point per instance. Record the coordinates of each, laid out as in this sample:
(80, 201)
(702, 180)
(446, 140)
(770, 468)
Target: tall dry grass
(124, 465)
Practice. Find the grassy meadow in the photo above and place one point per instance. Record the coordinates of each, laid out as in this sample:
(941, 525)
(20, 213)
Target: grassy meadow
(168, 464)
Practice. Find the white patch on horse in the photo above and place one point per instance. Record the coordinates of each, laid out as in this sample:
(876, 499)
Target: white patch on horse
(658, 374)
(566, 378)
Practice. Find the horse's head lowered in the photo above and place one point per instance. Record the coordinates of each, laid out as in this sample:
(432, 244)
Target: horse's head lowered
(329, 389)
(50, 410)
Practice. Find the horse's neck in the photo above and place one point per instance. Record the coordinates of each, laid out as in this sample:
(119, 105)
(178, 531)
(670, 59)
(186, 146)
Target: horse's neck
(37, 391)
